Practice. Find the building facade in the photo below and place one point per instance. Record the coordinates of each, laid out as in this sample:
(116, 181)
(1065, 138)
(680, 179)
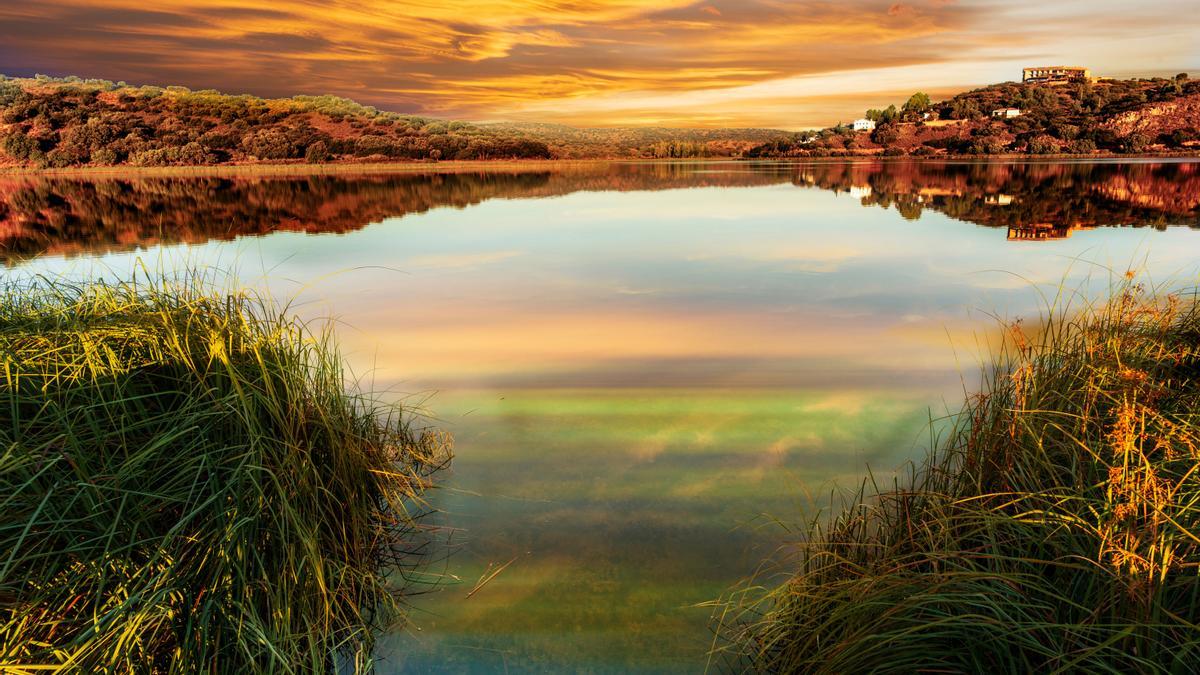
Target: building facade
(862, 125)
(1006, 113)
(1055, 74)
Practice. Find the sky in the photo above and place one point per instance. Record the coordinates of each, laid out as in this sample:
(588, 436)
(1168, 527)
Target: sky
(770, 63)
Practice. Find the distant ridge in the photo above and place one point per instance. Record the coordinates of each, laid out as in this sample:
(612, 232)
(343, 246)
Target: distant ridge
(72, 122)
(1071, 115)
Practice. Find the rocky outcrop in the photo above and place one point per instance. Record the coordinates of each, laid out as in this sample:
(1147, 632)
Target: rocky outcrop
(1158, 118)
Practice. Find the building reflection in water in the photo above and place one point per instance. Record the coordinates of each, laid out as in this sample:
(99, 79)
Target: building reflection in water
(42, 215)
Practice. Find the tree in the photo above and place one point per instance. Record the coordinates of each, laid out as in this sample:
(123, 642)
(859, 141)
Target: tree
(964, 109)
(917, 104)
(883, 116)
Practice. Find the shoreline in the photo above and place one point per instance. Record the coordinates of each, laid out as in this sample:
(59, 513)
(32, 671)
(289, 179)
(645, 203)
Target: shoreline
(527, 165)
(305, 169)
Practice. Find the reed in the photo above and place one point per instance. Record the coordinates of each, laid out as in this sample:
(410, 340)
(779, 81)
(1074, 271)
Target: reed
(189, 483)
(1056, 528)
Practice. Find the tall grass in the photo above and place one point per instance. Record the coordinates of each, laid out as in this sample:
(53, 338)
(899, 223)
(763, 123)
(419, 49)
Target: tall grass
(187, 485)
(1055, 529)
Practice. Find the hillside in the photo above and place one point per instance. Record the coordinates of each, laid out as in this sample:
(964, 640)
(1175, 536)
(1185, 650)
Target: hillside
(1105, 116)
(647, 142)
(70, 122)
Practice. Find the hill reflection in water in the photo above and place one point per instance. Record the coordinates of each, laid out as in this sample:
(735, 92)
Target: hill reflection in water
(44, 215)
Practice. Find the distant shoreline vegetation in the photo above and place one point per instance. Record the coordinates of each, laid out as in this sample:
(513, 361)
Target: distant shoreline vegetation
(1053, 529)
(1085, 118)
(73, 122)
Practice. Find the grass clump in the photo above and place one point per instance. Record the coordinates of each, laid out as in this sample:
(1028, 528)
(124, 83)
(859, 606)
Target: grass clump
(1055, 529)
(187, 485)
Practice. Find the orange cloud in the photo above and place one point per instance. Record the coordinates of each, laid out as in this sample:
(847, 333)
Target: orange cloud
(502, 59)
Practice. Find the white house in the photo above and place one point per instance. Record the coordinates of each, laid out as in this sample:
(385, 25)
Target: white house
(863, 125)
(1006, 113)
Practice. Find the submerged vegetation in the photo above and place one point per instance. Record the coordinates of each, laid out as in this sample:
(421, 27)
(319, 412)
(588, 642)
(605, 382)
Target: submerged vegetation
(186, 485)
(1056, 528)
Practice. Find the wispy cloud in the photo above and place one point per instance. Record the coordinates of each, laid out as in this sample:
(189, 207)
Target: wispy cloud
(586, 61)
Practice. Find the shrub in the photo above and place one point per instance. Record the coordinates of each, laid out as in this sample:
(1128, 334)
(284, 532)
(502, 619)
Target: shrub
(19, 145)
(220, 140)
(316, 153)
(1136, 142)
(1083, 146)
(104, 157)
(10, 92)
(67, 156)
(1041, 145)
(1052, 531)
(886, 134)
(269, 144)
(368, 145)
(194, 154)
(187, 486)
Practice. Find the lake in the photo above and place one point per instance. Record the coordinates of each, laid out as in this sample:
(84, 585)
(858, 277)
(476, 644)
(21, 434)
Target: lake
(652, 371)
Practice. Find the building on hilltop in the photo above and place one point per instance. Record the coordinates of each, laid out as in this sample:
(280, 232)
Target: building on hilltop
(1044, 231)
(1006, 113)
(1055, 75)
(863, 125)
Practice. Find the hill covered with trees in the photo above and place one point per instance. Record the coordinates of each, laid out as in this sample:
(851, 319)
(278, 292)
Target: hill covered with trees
(71, 122)
(644, 142)
(1102, 116)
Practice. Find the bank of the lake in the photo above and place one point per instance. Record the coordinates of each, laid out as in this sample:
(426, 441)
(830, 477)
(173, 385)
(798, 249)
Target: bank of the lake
(267, 169)
(501, 166)
(1054, 530)
(188, 485)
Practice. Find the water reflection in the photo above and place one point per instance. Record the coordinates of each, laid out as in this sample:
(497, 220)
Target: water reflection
(1031, 201)
(636, 360)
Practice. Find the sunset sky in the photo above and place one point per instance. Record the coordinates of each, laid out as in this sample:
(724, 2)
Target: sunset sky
(596, 62)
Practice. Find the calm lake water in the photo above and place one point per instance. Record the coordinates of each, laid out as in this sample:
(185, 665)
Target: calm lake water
(643, 364)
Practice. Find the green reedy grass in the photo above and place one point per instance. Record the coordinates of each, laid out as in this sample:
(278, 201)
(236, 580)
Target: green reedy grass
(1055, 528)
(188, 483)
